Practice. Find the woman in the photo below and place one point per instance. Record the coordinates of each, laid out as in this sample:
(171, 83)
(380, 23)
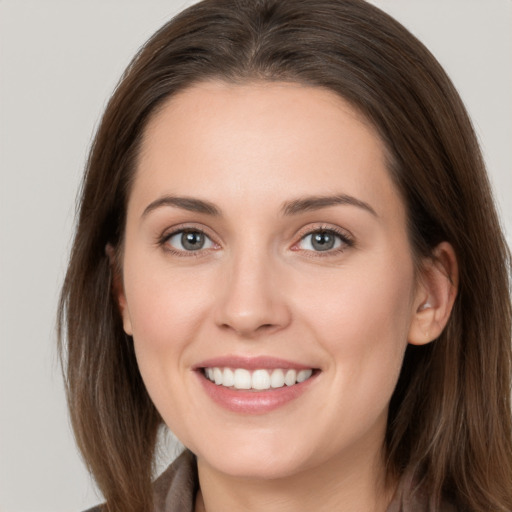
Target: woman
(288, 253)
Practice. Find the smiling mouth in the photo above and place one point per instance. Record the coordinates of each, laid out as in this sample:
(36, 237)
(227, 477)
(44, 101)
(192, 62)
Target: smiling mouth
(257, 380)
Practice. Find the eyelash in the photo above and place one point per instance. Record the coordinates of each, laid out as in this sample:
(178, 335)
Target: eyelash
(164, 239)
(345, 238)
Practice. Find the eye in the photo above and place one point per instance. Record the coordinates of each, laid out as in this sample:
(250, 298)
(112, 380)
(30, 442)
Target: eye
(189, 240)
(323, 240)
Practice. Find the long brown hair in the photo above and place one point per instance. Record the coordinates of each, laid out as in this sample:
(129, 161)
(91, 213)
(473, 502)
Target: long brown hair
(450, 417)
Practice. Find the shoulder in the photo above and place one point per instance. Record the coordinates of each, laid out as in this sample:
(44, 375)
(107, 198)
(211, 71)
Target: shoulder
(176, 487)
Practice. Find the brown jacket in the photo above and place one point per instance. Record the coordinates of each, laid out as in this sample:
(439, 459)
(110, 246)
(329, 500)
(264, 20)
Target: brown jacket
(176, 488)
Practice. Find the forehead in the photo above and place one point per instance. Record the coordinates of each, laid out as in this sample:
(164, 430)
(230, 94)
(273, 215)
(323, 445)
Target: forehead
(261, 140)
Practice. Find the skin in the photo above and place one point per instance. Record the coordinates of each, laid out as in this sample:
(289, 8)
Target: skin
(258, 287)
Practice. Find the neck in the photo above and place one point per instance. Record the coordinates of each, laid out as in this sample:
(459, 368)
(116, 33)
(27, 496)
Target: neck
(338, 484)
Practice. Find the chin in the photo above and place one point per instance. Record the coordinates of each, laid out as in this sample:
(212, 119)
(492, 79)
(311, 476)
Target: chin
(255, 460)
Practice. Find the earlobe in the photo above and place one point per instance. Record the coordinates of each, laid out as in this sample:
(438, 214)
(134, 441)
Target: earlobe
(118, 289)
(437, 290)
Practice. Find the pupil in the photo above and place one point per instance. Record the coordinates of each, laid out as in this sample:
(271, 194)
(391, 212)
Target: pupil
(192, 240)
(323, 241)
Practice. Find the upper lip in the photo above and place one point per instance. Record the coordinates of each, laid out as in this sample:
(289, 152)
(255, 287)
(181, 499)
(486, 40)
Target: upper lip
(250, 363)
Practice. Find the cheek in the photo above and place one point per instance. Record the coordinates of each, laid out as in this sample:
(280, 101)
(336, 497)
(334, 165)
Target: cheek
(165, 309)
(362, 318)
(163, 304)
(368, 298)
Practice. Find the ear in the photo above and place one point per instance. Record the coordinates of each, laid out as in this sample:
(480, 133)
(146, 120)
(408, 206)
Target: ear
(118, 289)
(435, 295)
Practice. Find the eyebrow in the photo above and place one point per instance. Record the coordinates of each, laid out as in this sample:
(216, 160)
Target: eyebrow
(186, 203)
(294, 207)
(311, 203)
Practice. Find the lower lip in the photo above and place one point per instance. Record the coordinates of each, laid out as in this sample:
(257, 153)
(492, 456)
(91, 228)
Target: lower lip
(253, 402)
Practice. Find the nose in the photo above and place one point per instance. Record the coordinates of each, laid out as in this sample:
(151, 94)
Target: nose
(252, 298)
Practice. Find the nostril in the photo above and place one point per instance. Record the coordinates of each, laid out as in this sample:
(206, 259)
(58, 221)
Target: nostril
(250, 314)
(252, 331)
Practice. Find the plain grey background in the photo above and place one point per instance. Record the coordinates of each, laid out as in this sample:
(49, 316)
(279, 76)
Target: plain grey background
(59, 61)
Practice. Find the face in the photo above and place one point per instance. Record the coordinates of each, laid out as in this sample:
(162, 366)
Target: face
(268, 280)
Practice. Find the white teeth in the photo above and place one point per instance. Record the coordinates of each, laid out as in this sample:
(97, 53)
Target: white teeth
(217, 375)
(290, 378)
(277, 379)
(228, 378)
(260, 379)
(304, 375)
(240, 378)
